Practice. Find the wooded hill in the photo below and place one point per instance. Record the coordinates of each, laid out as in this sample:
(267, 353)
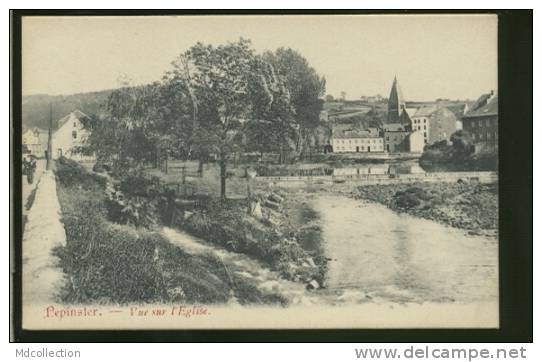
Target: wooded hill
(35, 108)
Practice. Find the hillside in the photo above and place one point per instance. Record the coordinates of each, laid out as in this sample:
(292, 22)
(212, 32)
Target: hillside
(35, 108)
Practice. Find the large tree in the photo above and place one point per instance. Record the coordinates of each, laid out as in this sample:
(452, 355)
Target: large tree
(211, 96)
(305, 87)
(137, 123)
(271, 126)
(221, 82)
(119, 134)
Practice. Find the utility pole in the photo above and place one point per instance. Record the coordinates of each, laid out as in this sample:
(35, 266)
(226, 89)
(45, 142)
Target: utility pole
(50, 138)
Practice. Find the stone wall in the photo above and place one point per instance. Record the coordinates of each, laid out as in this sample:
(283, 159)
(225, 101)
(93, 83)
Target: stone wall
(299, 181)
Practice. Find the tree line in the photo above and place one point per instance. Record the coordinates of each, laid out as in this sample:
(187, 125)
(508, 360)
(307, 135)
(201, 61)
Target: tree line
(215, 100)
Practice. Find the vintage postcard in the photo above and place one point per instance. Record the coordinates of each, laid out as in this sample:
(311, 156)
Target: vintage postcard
(260, 171)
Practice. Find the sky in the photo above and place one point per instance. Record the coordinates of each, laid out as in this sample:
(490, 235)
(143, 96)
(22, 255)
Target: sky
(433, 56)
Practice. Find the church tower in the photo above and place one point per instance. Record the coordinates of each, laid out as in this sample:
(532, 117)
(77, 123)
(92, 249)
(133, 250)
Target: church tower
(396, 103)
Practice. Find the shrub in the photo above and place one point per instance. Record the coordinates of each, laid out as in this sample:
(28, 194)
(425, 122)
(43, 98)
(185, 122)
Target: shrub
(407, 201)
(141, 201)
(70, 173)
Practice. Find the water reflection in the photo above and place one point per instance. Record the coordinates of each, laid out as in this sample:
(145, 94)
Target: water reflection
(357, 169)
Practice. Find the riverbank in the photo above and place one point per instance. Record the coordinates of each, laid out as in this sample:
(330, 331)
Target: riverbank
(106, 262)
(471, 206)
(279, 229)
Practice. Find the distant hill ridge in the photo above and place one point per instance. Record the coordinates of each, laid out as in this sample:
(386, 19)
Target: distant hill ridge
(35, 108)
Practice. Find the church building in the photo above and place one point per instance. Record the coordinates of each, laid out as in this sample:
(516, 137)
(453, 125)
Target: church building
(397, 111)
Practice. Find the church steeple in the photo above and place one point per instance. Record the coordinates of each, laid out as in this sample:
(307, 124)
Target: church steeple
(396, 103)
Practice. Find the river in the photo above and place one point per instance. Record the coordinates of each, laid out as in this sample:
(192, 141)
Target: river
(379, 255)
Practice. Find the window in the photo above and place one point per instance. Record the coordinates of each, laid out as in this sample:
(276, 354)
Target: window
(74, 124)
(425, 120)
(74, 134)
(387, 138)
(424, 127)
(425, 134)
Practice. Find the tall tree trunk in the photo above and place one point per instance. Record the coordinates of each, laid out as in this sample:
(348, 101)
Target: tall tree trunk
(223, 177)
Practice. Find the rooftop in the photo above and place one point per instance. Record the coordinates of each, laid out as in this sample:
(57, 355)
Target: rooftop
(394, 127)
(457, 109)
(486, 105)
(72, 116)
(352, 134)
(425, 111)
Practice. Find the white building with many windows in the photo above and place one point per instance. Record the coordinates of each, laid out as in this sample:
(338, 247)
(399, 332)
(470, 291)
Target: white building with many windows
(357, 141)
(436, 123)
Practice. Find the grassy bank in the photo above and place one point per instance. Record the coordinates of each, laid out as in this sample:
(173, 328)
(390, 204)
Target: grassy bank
(111, 263)
(470, 206)
(271, 235)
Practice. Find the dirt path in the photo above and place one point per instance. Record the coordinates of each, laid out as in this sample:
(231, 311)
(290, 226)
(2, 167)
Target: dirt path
(42, 278)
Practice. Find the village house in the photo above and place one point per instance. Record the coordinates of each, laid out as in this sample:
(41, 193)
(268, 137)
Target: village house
(481, 121)
(396, 137)
(459, 110)
(35, 141)
(69, 136)
(436, 123)
(416, 142)
(357, 141)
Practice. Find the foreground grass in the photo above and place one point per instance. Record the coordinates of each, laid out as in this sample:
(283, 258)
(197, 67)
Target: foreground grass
(110, 263)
